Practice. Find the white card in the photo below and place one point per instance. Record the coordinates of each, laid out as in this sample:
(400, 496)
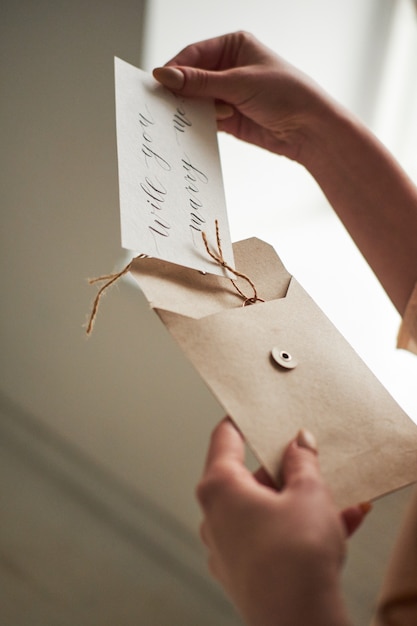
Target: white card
(170, 181)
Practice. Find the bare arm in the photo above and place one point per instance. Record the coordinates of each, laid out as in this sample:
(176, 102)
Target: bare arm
(373, 197)
(273, 105)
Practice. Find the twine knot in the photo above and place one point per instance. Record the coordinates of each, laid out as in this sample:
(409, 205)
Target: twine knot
(219, 258)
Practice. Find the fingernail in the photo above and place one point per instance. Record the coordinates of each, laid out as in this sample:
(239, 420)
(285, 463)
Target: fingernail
(170, 77)
(365, 507)
(224, 111)
(306, 439)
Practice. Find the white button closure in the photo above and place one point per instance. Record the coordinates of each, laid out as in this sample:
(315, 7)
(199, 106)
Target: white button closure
(284, 358)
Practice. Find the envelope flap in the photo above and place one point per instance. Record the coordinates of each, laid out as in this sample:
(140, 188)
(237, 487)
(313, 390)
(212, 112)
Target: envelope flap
(188, 292)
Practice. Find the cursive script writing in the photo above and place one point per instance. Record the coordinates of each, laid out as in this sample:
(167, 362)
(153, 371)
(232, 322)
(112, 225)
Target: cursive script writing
(170, 182)
(180, 120)
(154, 191)
(145, 122)
(194, 177)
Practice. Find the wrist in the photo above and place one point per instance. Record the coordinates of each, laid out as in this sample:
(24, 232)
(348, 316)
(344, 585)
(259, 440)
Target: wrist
(329, 609)
(314, 126)
(320, 604)
(327, 132)
(325, 612)
(315, 599)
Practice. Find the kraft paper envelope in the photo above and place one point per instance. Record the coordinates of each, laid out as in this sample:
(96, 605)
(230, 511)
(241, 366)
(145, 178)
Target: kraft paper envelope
(367, 444)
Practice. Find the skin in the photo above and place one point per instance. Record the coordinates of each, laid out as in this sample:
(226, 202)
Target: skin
(279, 555)
(264, 100)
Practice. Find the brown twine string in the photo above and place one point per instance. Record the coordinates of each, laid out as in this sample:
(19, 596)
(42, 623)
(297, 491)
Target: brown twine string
(219, 258)
(111, 279)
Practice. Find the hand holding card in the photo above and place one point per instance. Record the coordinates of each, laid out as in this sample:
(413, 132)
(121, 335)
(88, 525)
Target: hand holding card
(173, 210)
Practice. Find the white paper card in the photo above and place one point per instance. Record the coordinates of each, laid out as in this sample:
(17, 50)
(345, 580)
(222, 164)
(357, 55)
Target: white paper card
(170, 180)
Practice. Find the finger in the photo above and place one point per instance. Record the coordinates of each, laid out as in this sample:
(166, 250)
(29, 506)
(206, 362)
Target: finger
(214, 567)
(210, 54)
(263, 478)
(223, 111)
(197, 82)
(226, 444)
(306, 439)
(204, 533)
(224, 469)
(300, 467)
(353, 517)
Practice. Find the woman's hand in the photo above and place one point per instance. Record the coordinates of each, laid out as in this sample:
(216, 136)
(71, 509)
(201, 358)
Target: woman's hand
(266, 101)
(261, 98)
(278, 555)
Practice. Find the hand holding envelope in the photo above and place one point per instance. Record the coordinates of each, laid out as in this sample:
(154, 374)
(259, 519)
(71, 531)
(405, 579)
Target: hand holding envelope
(275, 366)
(368, 445)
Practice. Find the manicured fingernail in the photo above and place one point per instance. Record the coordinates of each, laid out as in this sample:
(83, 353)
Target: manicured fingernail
(365, 507)
(224, 111)
(306, 439)
(170, 77)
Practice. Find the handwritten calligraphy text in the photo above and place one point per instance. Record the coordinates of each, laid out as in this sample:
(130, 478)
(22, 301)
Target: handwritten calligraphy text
(193, 178)
(148, 152)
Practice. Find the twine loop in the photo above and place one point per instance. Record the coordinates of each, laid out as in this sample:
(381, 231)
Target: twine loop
(219, 258)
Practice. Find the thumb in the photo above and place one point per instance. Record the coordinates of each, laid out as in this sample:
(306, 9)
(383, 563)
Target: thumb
(192, 81)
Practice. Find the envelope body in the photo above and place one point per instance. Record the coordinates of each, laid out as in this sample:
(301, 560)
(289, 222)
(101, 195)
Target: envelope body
(367, 444)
